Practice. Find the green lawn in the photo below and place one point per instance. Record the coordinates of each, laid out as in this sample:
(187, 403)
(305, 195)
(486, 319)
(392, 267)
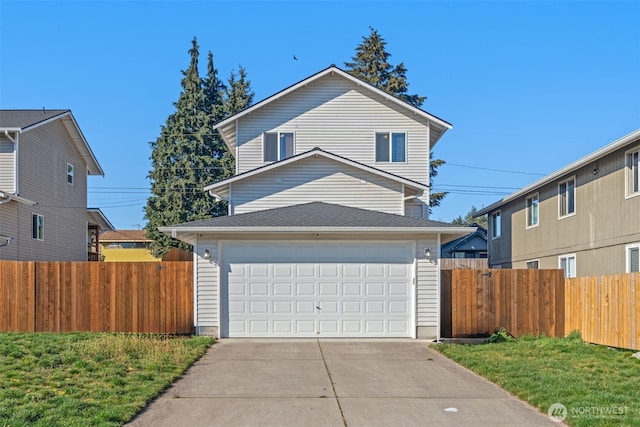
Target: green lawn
(83, 379)
(599, 386)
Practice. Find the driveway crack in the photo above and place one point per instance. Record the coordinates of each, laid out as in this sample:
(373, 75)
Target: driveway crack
(333, 387)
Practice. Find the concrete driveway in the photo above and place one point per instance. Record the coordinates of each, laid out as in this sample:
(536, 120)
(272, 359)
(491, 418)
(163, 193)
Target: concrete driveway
(333, 383)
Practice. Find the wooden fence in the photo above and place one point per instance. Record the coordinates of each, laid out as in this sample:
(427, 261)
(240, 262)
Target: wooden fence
(524, 302)
(605, 309)
(95, 296)
(467, 263)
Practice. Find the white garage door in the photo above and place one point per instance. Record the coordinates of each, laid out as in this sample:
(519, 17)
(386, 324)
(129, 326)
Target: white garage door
(317, 289)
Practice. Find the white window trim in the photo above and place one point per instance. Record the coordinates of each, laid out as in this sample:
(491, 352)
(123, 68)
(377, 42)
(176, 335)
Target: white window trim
(532, 260)
(72, 174)
(278, 132)
(628, 255)
(493, 237)
(406, 146)
(627, 175)
(526, 210)
(573, 255)
(39, 216)
(575, 197)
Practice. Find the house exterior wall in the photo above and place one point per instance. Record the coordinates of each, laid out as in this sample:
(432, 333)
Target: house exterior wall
(340, 117)
(317, 179)
(427, 294)
(42, 174)
(605, 221)
(9, 221)
(127, 254)
(207, 300)
(7, 165)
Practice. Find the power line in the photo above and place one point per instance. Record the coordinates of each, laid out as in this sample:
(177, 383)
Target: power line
(494, 170)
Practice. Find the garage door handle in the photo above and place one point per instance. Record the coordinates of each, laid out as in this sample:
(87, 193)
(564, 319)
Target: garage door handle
(318, 307)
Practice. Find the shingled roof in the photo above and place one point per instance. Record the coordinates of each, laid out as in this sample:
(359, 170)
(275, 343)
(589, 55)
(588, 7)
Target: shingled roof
(25, 118)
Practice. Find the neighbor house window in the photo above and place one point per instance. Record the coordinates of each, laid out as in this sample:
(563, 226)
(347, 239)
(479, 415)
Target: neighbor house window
(496, 225)
(567, 197)
(69, 173)
(633, 258)
(568, 264)
(633, 173)
(533, 210)
(391, 147)
(277, 146)
(37, 226)
(533, 265)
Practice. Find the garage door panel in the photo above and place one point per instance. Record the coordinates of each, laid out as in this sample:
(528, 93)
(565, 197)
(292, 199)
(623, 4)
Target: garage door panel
(314, 289)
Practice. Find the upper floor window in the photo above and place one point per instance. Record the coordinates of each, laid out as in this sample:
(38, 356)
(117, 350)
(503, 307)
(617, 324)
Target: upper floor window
(277, 146)
(633, 173)
(533, 210)
(69, 173)
(633, 258)
(568, 264)
(567, 197)
(391, 147)
(37, 226)
(496, 225)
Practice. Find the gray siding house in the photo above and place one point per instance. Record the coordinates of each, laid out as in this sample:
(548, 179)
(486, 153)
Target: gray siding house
(327, 233)
(583, 218)
(44, 164)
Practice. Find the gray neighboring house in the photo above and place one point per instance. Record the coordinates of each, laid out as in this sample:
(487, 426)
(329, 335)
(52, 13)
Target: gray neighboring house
(327, 233)
(472, 245)
(44, 164)
(583, 218)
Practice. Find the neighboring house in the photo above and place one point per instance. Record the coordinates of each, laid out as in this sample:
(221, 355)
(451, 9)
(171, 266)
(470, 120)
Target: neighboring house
(126, 245)
(584, 218)
(44, 164)
(97, 224)
(472, 245)
(327, 233)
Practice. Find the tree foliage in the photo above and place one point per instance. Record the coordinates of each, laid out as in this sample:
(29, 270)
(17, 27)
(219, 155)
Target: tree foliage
(371, 64)
(188, 155)
(469, 219)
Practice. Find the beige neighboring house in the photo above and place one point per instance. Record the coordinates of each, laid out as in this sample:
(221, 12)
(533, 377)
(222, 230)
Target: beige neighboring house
(125, 246)
(44, 163)
(328, 232)
(583, 218)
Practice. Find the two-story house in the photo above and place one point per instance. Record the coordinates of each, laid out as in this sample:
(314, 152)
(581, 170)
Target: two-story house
(327, 233)
(583, 218)
(44, 163)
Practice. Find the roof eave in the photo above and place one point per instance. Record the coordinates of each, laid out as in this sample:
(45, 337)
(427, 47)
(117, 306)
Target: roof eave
(315, 229)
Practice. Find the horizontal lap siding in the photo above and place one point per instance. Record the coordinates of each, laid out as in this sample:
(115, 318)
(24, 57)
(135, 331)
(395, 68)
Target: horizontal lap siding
(317, 179)
(337, 116)
(9, 228)
(427, 284)
(7, 166)
(207, 272)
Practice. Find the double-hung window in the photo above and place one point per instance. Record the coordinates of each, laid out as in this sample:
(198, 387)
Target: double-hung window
(567, 197)
(496, 225)
(533, 210)
(277, 146)
(37, 226)
(69, 173)
(633, 258)
(568, 264)
(391, 147)
(633, 173)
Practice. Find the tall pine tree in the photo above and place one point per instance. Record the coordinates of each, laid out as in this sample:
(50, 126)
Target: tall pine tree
(239, 94)
(371, 64)
(185, 158)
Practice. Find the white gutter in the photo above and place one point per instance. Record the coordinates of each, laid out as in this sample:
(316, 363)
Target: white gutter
(10, 196)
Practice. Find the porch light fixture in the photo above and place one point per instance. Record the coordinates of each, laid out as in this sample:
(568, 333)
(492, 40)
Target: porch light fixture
(207, 254)
(427, 253)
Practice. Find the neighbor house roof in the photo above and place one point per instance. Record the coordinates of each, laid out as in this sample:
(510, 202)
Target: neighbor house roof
(316, 217)
(99, 218)
(227, 127)
(460, 242)
(596, 155)
(220, 188)
(22, 121)
(124, 236)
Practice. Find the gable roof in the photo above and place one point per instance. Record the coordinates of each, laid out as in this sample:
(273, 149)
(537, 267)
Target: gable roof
(226, 126)
(598, 154)
(218, 188)
(25, 120)
(124, 236)
(314, 218)
(479, 233)
(100, 219)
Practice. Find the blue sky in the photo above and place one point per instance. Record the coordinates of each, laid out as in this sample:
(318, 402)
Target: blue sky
(529, 86)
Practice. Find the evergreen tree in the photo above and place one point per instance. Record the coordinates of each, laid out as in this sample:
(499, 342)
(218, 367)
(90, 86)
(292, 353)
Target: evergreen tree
(239, 94)
(371, 64)
(470, 220)
(184, 159)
